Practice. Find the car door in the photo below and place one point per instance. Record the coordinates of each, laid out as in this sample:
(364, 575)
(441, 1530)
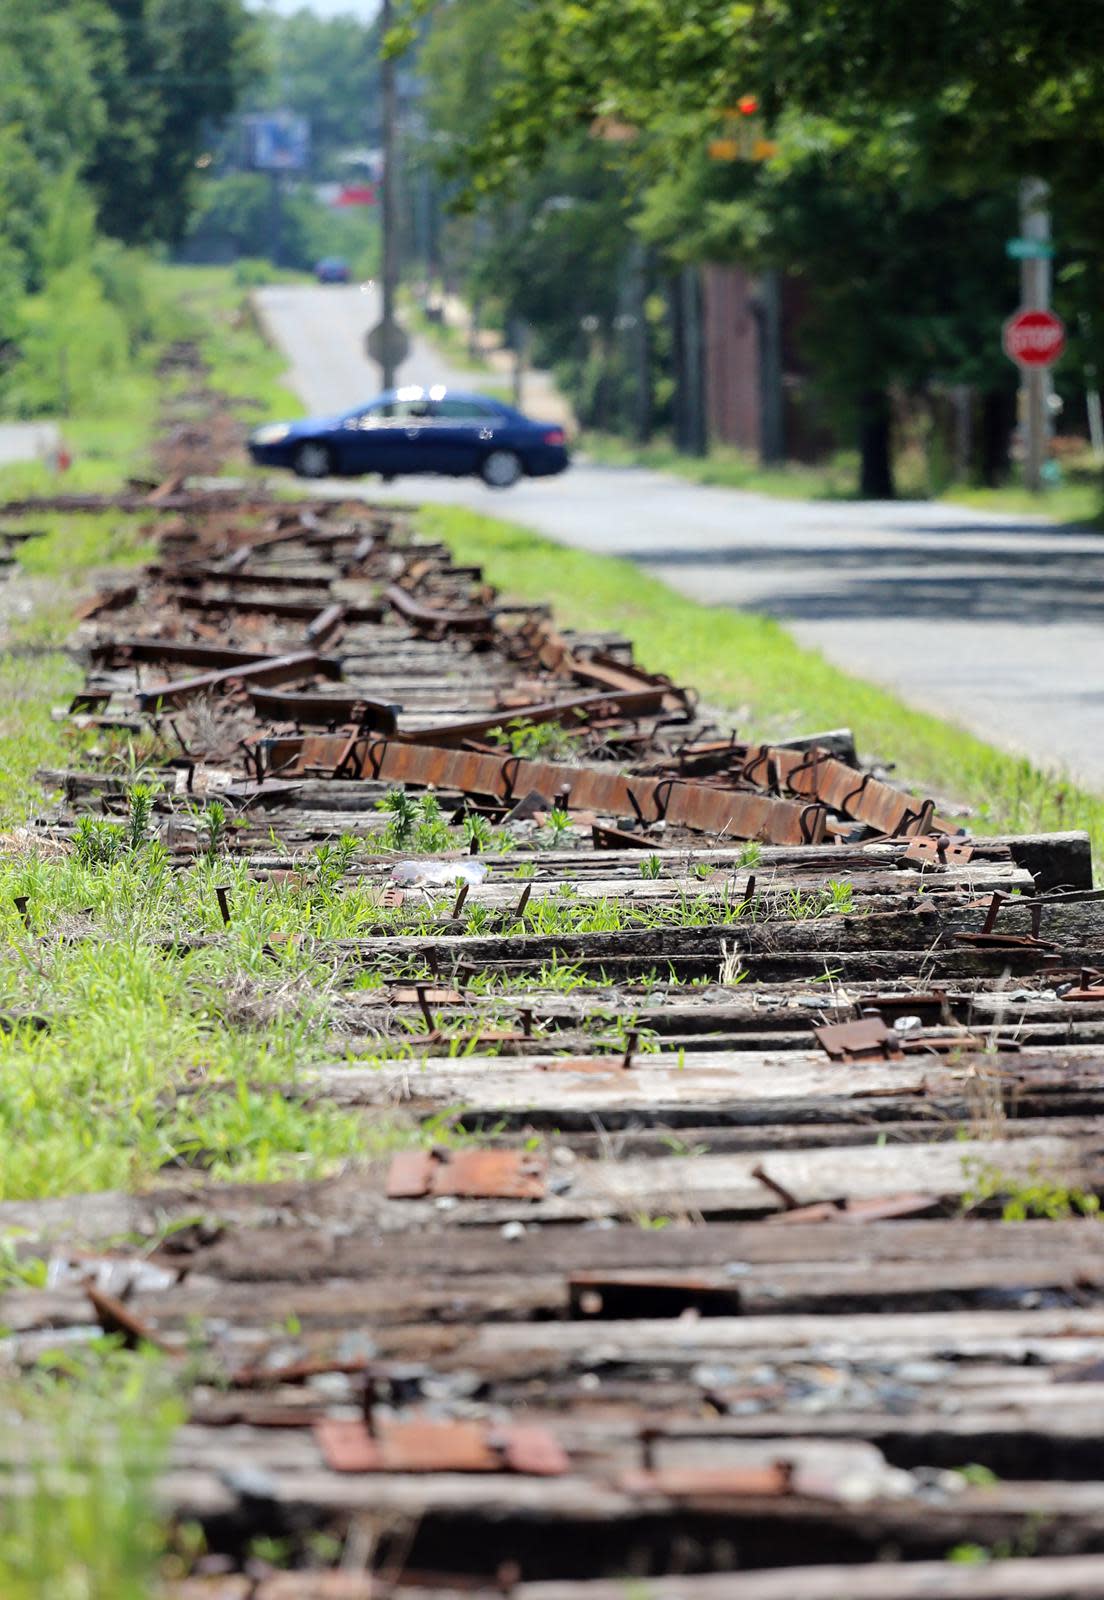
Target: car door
(413, 443)
(366, 442)
(464, 431)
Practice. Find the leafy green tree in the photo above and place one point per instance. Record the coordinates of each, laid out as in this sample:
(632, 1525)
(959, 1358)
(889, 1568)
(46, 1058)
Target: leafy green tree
(898, 242)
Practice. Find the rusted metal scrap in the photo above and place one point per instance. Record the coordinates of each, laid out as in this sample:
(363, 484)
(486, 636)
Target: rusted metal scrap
(427, 1444)
(269, 669)
(467, 1174)
(723, 812)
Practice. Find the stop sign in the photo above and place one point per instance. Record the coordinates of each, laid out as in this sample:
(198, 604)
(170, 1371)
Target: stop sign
(1034, 338)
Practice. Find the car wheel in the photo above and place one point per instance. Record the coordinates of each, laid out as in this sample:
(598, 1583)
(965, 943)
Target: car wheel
(500, 469)
(313, 460)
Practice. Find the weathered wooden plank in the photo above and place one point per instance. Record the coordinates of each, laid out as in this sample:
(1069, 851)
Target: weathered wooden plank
(1040, 1578)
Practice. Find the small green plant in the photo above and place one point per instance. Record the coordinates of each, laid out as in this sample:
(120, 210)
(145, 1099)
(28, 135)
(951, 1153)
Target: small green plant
(969, 1555)
(20, 1272)
(477, 830)
(212, 821)
(558, 826)
(1037, 1196)
(651, 867)
(332, 861)
(415, 825)
(403, 817)
(534, 741)
(98, 843)
(141, 814)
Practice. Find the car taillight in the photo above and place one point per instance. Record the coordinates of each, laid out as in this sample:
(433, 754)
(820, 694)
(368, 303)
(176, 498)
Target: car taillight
(554, 436)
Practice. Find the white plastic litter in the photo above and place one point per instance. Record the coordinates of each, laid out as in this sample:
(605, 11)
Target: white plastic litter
(437, 874)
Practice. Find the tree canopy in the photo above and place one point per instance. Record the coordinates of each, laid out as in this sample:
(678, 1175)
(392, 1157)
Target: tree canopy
(899, 136)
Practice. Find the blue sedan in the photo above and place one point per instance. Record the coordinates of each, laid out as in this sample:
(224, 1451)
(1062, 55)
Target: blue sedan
(417, 430)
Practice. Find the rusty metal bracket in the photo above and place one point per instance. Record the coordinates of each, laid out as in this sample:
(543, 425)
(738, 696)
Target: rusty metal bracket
(468, 1174)
(868, 1039)
(939, 850)
(431, 1444)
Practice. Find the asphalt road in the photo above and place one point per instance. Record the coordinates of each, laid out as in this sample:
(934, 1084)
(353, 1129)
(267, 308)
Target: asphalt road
(994, 622)
(27, 441)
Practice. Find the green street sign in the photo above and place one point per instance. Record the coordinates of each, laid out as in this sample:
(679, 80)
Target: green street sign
(1028, 249)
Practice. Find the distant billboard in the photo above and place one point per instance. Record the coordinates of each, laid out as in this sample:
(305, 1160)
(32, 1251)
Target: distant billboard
(277, 141)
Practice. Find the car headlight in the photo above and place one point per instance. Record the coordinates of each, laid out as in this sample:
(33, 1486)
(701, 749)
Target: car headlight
(272, 433)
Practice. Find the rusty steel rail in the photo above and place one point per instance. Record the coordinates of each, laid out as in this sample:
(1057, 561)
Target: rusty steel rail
(269, 669)
(721, 812)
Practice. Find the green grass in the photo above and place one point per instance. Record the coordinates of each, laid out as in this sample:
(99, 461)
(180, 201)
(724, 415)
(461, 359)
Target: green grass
(1078, 499)
(87, 1435)
(728, 468)
(240, 364)
(750, 665)
(156, 1058)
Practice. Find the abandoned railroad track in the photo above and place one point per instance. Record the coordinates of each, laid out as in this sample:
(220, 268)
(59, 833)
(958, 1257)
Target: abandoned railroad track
(721, 1215)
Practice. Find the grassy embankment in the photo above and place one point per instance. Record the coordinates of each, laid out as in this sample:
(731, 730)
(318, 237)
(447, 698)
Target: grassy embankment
(82, 1102)
(1078, 499)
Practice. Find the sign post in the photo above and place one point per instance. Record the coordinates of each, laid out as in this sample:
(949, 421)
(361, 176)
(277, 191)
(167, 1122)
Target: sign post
(388, 344)
(1035, 294)
(1034, 339)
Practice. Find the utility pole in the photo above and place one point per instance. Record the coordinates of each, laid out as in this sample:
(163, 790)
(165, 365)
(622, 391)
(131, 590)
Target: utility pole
(387, 342)
(690, 373)
(275, 219)
(1035, 296)
(519, 339)
(639, 333)
(772, 441)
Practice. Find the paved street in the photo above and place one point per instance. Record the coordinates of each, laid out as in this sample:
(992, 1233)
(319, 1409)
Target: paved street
(27, 441)
(995, 622)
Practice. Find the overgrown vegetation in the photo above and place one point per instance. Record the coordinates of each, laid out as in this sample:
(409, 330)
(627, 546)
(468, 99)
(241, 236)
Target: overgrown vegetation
(87, 1433)
(98, 156)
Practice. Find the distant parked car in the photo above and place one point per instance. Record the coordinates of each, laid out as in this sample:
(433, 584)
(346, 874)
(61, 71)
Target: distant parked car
(332, 270)
(417, 430)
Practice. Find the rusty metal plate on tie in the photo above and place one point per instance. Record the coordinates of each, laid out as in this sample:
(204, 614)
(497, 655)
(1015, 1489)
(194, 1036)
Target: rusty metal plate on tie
(868, 1039)
(468, 1174)
(940, 851)
(1004, 941)
(724, 1483)
(430, 1445)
